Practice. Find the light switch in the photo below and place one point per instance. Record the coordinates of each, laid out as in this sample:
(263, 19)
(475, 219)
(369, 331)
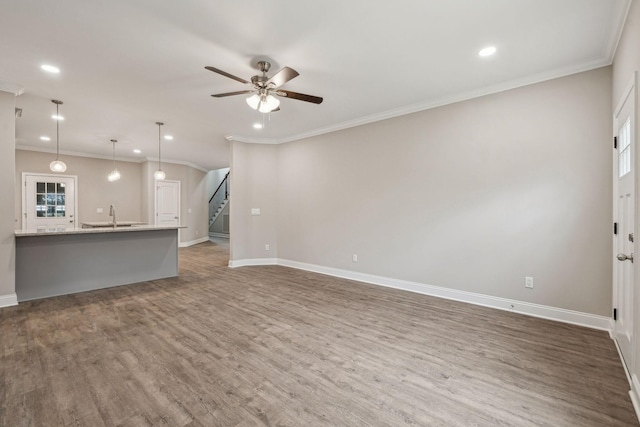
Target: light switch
(255, 211)
(99, 210)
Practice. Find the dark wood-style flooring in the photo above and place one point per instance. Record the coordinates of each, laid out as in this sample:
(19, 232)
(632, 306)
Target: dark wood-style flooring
(273, 346)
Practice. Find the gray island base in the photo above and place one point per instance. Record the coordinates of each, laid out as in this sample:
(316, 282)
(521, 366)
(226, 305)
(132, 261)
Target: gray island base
(77, 260)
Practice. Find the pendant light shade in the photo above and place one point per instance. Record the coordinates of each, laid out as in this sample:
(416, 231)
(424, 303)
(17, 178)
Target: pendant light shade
(57, 165)
(159, 174)
(114, 175)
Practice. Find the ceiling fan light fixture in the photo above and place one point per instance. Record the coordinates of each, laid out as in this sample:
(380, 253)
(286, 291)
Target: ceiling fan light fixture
(253, 101)
(268, 103)
(272, 102)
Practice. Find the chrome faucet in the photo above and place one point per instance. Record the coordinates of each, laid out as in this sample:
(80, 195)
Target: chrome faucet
(112, 212)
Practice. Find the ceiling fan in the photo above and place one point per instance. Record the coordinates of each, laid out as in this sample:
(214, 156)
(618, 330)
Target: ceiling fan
(263, 88)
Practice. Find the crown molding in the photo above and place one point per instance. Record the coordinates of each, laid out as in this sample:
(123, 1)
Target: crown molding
(106, 157)
(440, 102)
(13, 88)
(618, 20)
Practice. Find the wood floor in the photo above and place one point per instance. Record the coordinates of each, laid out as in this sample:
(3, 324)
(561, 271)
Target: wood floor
(272, 346)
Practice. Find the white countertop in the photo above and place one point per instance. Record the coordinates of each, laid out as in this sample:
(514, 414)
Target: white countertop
(108, 223)
(75, 230)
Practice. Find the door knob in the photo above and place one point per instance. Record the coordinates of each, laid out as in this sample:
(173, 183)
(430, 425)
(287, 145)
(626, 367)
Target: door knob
(624, 257)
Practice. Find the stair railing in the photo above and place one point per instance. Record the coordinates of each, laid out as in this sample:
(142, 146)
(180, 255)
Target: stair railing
(219, 196)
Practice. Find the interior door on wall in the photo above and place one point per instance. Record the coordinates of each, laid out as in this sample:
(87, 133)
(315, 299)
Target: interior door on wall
(624, 211)
(168, 203)
(49, 202)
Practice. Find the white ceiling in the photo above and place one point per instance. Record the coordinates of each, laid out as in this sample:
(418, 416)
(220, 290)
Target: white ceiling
(127, 64)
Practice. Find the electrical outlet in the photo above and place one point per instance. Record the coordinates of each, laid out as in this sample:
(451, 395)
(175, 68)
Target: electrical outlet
(528, 282)
(354, 257)
(267, 247)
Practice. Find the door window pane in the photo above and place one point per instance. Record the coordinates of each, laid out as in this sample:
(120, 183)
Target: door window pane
(51, 203)
(624, 158)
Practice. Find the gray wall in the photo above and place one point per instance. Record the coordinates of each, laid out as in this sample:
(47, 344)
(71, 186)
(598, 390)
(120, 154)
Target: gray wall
(474, 196)
(7, 176)
(254, 184)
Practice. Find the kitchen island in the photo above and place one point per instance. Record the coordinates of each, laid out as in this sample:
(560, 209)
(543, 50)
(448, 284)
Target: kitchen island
(69, 260)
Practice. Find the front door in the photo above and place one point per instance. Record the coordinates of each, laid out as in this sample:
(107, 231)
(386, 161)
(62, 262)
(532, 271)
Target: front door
(167, 203)
(624, 211)
(49, 202)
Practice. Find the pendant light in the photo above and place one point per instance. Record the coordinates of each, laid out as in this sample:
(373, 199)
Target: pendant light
(159, 174)
(114, 175)
(57, 165)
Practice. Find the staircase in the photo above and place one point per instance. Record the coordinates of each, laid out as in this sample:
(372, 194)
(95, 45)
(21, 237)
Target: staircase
(219, 209)
(217, 203)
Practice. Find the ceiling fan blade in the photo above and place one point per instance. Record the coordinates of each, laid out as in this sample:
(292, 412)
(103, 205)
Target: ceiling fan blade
(222, 95)
(299, 96)
(224, 73)
(283, 76)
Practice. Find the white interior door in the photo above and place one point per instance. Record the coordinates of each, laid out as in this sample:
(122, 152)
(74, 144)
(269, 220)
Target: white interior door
(167, 203)
(48, 202)
(624, 211)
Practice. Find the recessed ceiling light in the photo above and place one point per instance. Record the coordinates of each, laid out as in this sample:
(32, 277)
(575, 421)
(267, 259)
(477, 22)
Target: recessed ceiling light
(45, 138)
(50, 68)
(137, 150)
(257, 125)
(168, 137)
(487, 51)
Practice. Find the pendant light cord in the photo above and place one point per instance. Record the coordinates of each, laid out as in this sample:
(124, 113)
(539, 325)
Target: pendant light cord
(159, 145)
(57, 131)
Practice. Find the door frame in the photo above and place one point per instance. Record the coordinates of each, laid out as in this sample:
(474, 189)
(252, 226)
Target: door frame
(23, 214)
(155, 199)
(630, 93)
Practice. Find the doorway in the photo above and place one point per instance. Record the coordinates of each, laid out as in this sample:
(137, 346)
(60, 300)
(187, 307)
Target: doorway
(624, 209)
(167, 203)
(49, 202)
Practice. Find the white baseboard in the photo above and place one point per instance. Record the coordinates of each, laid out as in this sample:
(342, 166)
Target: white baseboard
(521, 307)
(255, 261)
(8, 300)
(222, 235)
(193, 242)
